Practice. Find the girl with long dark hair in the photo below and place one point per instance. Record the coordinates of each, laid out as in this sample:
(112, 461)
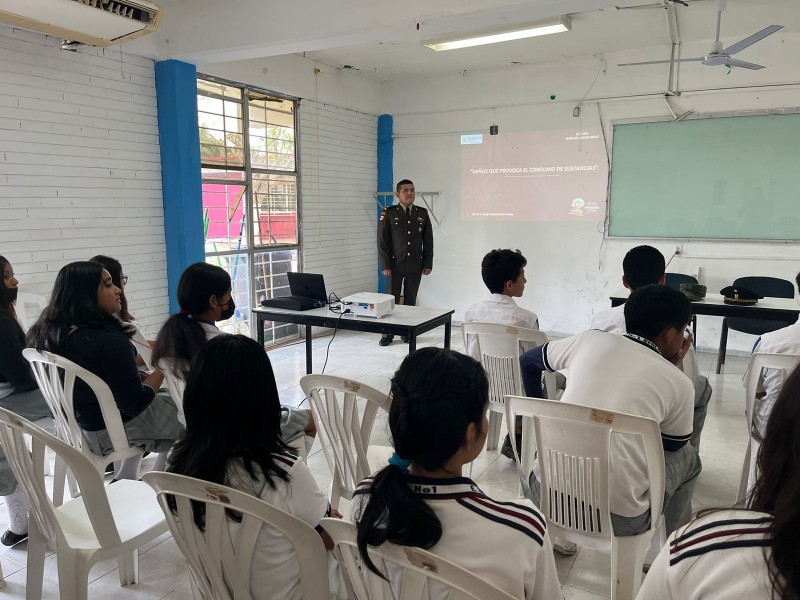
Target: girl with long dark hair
(438, 424)
(81, 324)
(751, 553)
(204, 297)
(18, 393)
(233, 427)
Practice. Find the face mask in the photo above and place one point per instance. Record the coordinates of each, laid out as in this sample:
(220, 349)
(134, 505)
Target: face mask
(10, 295)
(227, 313)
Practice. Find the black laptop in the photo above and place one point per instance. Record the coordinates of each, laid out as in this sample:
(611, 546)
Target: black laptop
(308, 291)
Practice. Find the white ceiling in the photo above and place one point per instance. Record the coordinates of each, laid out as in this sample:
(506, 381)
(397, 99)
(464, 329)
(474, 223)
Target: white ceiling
(593, 33)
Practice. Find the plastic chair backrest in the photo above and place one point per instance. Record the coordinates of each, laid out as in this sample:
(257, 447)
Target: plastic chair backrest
(420, 569)
(142, 346)
(674, 280)
(29, 468)
(343, 429)
(769, 287)
(765, 360)
(175, 383)
(26, 317)
(573, 444)
(56, 377)
(220, 565)
(498, 347)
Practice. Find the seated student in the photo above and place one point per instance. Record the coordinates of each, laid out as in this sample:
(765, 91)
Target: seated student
(81, 324)
(204, 295)
(644, 265)
(503, 272)
(114, 268)
(233, 421)
(743, 553)
(18, 393)
(438, 424)
(636, 374)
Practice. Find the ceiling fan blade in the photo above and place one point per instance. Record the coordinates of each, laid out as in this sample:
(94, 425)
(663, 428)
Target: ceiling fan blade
(661, 62)
(744, 64)
(749, 41)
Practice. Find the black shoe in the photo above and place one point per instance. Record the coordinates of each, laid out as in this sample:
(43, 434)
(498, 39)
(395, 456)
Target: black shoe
(386, 340)
(9, 538)
(406, 339)
(506, 449)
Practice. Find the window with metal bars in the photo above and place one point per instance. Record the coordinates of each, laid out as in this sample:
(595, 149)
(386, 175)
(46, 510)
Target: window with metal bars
(248, 156)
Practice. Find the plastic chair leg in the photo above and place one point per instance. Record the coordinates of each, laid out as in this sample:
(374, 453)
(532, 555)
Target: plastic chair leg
(73, 574)
(627, 557)
(37, 547)
(723, 343)
(493, 437)
(741, 493)
(129, 568)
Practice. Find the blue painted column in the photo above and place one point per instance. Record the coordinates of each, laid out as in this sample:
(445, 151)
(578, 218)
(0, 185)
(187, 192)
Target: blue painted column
(385, 175)
(179, 138)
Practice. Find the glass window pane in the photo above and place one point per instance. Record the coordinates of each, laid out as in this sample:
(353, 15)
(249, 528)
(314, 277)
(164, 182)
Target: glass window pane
(224, 215)
(236, 266)
(272, 133)
(274, 209)
(203, 85)
(269, 275)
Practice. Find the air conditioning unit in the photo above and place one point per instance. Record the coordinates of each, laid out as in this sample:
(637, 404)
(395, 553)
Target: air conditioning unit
(92, 22)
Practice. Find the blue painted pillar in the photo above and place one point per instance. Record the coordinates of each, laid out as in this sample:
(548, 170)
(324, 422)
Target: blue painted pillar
(179, 138)
(385, 175)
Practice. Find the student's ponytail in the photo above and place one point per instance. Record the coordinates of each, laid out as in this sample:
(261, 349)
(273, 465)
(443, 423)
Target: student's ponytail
(436, 394)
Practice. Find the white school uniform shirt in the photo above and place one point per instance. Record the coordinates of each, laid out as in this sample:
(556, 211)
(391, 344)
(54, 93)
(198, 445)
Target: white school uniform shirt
(781, 341)
(275, 572)
(619, 374)
(500, 309)
(613, 321)
(506, 543)
(720, 555)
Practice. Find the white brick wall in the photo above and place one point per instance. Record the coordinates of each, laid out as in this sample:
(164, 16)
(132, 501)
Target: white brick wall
(338, 166)
(80, 170)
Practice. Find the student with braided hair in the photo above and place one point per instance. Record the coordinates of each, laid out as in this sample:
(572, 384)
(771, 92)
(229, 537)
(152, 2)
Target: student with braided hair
(438, 424)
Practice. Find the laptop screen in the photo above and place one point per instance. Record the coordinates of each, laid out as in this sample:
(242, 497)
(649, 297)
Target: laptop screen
(310, 285)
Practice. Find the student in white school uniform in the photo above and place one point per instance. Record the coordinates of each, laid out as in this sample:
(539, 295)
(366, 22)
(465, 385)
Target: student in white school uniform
(636, 374)
(744, 553)
(438, 424)
(503, 272)
(233, 438)
(644, 265)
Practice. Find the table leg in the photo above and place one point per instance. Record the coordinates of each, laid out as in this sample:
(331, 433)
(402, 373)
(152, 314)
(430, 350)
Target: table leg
(309, 350)
(447, 333)
(412, 341)
(260, 329)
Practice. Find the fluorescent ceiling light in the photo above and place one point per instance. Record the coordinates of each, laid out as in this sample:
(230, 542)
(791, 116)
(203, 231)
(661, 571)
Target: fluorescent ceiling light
(499, 34)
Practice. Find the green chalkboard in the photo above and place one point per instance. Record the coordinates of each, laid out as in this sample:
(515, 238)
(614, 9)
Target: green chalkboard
(720, 178)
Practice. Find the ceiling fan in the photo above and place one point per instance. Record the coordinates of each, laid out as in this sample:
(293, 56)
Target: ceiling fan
(718, 55)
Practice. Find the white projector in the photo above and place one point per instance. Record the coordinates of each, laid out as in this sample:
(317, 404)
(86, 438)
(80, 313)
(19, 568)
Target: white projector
(369, 304)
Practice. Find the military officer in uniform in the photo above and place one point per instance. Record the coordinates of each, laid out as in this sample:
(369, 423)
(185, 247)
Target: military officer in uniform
(405, 247)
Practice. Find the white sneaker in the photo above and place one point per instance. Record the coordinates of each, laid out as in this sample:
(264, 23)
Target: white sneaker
(564, 547)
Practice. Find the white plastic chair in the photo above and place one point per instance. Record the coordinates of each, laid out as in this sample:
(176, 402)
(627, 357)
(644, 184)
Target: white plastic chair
(220, 566)
(420, 570)
(499, 350)
(574, 468)
(758, 361)
(104, 522)
(342, 428)
(25, 316)
(48, 369)
(173, 375)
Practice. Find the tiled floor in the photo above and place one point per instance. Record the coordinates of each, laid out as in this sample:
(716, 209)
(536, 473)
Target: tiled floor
(585, 576)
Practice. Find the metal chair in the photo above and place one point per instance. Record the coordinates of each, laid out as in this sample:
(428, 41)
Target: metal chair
(421, 571)
(343, 427)
(769, 287)
(219, 565)
(758, 362)
(573, 443)
(104, 522)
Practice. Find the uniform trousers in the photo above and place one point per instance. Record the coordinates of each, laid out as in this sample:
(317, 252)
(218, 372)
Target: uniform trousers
(412, 281)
